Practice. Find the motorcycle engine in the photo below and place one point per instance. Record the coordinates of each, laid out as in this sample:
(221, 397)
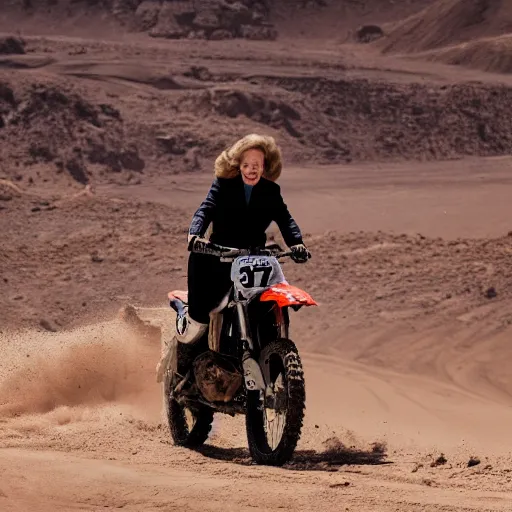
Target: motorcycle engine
(217, 377)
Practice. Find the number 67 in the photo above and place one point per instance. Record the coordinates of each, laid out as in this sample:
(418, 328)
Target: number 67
(247, 276)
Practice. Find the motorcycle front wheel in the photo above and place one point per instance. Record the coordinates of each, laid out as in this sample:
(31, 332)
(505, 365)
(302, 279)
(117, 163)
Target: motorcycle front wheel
(274, 426)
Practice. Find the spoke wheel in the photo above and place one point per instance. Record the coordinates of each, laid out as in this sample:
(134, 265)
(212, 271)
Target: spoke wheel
(189, 427)
(274, 426)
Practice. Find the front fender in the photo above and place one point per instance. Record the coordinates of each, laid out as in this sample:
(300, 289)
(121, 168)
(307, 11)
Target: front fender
(285, 294)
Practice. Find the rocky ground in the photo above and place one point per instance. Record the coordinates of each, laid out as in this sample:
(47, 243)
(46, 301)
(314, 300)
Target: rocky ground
(397, 169)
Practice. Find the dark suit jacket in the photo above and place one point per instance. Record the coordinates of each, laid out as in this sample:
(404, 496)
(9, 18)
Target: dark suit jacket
(238, 224)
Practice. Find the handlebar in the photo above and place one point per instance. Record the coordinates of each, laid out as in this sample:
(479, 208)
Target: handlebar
(230, 253)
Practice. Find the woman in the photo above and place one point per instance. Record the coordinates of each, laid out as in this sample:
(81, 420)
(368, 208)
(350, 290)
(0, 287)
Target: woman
(242, 202)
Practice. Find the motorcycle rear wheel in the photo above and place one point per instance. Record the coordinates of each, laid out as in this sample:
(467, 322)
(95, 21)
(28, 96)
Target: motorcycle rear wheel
(189, 428)
(285, 370)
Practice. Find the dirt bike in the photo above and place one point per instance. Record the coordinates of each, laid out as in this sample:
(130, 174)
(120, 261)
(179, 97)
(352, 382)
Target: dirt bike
(246, 363)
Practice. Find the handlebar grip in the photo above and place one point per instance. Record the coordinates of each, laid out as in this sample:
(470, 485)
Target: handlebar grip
(206, 247)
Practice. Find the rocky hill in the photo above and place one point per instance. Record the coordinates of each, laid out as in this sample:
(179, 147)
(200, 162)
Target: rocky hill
(174, 19)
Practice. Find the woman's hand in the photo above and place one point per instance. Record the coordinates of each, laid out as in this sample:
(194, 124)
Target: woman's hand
(300, 253)
(196, 242)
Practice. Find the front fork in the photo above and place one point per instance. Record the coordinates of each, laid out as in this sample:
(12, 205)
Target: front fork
(253, 376)
(283, 322)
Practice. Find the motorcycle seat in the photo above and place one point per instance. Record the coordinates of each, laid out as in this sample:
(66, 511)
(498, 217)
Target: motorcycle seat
(178, 294)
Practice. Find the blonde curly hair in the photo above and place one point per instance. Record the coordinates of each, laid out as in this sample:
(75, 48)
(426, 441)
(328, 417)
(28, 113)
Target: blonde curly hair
(227, 164)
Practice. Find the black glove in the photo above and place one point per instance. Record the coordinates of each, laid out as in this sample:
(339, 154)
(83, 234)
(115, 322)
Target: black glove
(197, 244)
(300, 253)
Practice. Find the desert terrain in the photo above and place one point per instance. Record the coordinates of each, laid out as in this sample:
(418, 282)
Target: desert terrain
(397, 141)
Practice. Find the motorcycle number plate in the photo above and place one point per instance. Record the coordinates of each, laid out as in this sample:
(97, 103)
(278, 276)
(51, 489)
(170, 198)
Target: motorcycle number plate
(253, 274)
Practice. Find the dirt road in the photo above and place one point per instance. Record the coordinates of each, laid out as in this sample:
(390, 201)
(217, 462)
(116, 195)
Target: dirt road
(370, 442)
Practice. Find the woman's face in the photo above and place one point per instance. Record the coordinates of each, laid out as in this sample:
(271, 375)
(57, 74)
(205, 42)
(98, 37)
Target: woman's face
(252, 165)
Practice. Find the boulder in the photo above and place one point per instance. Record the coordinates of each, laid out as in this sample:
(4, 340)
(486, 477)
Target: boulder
(12, 46)
(167, 25)
(207, 20)
(220, 34)
(146, 15)
(369, 33)
(258, 32)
